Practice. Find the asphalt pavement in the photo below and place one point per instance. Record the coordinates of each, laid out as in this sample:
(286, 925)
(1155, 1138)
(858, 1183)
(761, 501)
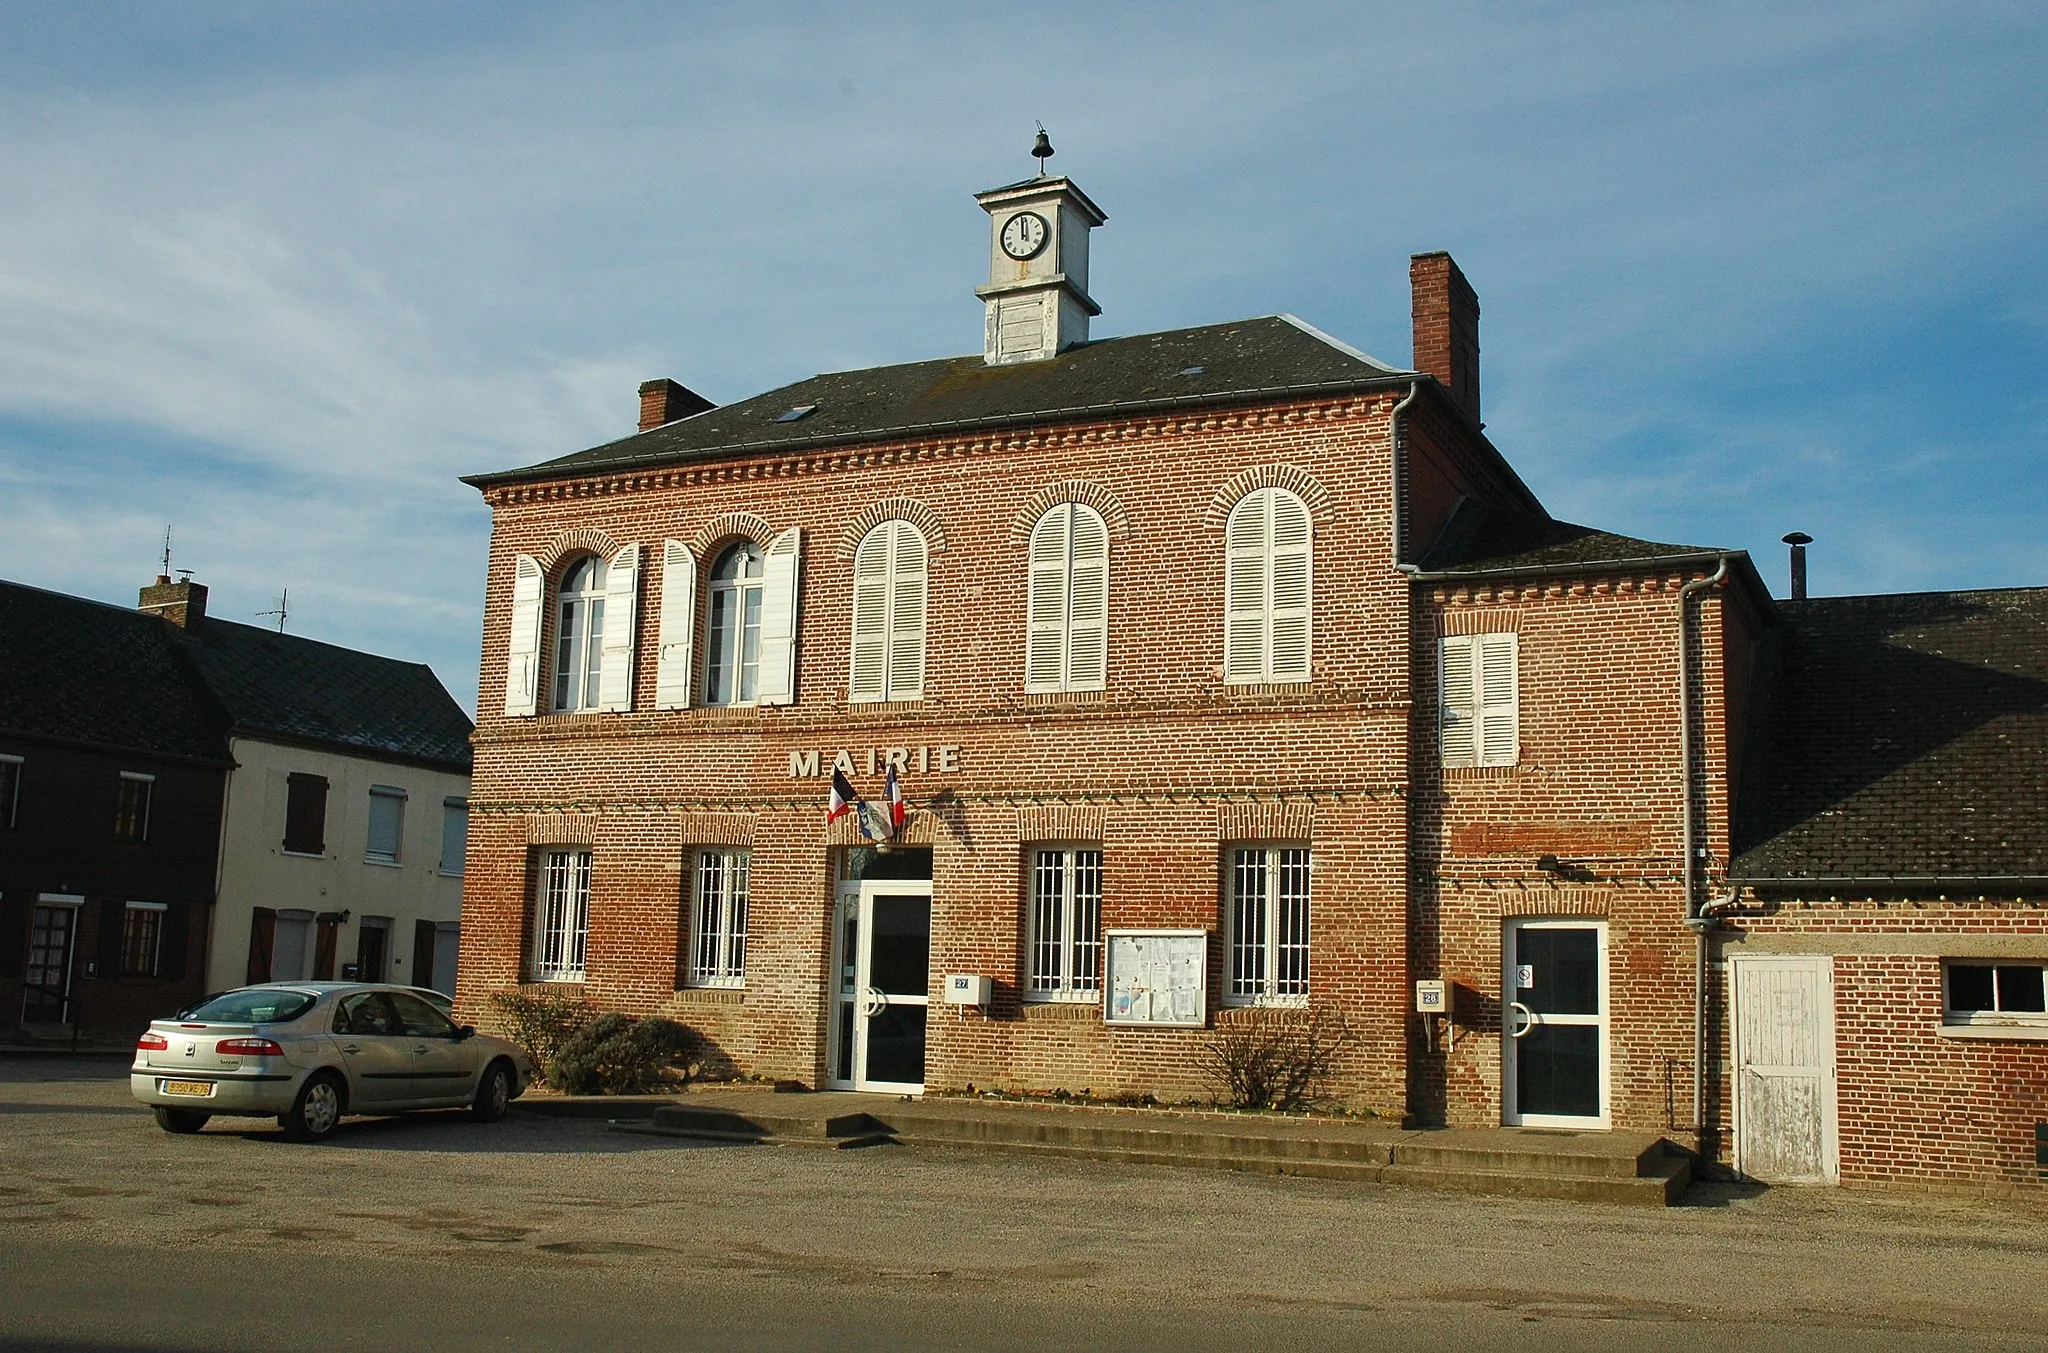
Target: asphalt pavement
(551, 1233)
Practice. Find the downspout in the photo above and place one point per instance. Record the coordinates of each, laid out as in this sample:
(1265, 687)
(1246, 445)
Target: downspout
(1400, 475)
(1698, 917)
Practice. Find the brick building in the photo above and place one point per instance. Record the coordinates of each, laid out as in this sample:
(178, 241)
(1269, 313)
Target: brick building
(1228, 674)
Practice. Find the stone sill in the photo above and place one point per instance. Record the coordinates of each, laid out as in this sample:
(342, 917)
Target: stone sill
(2026, 1033)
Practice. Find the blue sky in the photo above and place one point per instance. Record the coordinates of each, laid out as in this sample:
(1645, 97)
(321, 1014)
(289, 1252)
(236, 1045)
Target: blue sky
(278, 274)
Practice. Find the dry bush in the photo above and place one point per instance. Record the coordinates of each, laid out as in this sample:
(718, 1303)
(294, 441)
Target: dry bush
(1277, 1059)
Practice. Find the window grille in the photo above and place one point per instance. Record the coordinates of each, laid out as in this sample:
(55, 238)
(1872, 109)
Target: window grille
(1269, 932)
(719, 945)
(1066, 925)
(561, 916)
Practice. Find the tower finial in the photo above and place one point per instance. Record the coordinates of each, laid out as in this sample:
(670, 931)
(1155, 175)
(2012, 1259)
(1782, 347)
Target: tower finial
(165, 575)
(1041, 149)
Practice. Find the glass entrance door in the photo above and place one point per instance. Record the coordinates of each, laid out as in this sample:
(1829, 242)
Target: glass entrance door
(1554, 1016)
(46, 985)
(882, 986)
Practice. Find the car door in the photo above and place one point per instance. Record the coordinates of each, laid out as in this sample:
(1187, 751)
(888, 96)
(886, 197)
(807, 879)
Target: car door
(444, 1070)
(374, 1050)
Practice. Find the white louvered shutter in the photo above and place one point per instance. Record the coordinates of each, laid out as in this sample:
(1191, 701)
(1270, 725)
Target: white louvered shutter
(615, 654)
(1045, 655)
(906, 613)
(1246, 544)
(1457, 702)
(673, 663)
(779, 571)
(1088, 602)
(1499, 703)
(522, 663)
(1292, 560)
(871, 616)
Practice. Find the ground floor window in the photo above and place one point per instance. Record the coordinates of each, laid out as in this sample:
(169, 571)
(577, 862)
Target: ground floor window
(1996, 993)
(1268, 906)
(561, 915)
(1065, 943)
(718, 934)
(142, 929)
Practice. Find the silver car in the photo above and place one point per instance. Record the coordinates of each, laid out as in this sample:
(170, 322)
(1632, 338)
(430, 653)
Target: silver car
(309, 1052)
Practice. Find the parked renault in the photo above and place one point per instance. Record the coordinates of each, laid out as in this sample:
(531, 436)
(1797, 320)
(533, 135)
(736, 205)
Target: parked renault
(310, 1052)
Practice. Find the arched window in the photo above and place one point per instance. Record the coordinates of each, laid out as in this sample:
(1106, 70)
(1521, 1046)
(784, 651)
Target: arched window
(579, 634)
(1267, 570)
(1067, 648)
(732, 658)
(889, 571)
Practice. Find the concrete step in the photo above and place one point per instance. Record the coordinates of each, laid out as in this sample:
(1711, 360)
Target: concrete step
(1661, 1187)
(768, 1126)
(1191, 1139)
(1600, 1155)
(1363, 1171)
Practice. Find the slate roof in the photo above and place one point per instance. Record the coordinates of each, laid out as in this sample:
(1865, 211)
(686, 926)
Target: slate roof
(1253, 359)
(302, 690)
(1901, 737)
(1485, 538)
(82, 671)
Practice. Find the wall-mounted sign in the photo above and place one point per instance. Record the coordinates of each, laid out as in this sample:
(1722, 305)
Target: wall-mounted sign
(940, 757)
(1157, 977)
(1525, 976)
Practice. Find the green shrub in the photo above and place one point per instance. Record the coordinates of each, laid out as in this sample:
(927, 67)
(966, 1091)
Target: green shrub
(540, 1022)
(616, 1054)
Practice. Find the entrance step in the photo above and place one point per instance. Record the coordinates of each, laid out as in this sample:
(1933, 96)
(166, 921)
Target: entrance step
(720, 1123)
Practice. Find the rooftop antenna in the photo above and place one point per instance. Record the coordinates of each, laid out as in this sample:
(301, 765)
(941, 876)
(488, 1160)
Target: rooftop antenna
(283, 610)
(1041, 149)
(164, 575)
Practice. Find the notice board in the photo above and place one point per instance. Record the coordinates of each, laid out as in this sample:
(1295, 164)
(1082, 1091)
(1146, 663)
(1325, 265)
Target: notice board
(1157, 977)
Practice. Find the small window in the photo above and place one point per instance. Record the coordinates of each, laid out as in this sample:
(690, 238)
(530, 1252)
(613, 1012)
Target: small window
(579, 635)
(10, 788)
(718, 943)
(387, 826)
(131, 810)
(142, 934)
(1268, 902)
(1065, 942)
(1996, 993)
(1479, 705)
(305, 814)
(889, 573)
(454, 835)
(732, 648)
(561, 920)
(1269, 556)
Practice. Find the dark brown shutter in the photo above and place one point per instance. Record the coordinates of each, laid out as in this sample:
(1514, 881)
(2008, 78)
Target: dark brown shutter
(171, 942)
(305, 813)
(113, 921)
(323, 946)
(423, 954)
(262, 938)
(14, 913)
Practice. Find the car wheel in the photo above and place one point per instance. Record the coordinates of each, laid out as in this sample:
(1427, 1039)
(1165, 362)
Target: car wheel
(493, 1093)
(181, 1120)
(317, 1111)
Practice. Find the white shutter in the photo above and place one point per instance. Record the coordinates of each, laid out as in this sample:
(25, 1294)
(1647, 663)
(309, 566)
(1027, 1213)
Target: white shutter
(1088, 603)
(1045, 655)
(1499, 705)
(906, 614)
(778, 618)
(673, 676)
(615, 653)
(1457, 702)
(871, 616)
(522, 662)
(1292, 559)
(1244, 623)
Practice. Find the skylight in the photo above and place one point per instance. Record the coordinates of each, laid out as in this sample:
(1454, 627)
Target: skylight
(797, 414)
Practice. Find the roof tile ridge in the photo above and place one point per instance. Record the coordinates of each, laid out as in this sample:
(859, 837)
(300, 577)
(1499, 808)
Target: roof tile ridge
(1339, 344)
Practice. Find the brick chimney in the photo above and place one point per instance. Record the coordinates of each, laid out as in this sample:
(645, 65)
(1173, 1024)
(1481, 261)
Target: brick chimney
(663, 401)
(1446, 313)
(183, 602)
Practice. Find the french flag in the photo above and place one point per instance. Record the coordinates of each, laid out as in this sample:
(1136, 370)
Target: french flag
(893, 792)
(844, 800)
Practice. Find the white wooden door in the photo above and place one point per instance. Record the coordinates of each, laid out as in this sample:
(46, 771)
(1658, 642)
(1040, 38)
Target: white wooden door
(1784, 1053)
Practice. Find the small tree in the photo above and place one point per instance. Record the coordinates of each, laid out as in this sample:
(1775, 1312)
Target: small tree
(1277, 1059)
(616, 1054)
(540, 1022)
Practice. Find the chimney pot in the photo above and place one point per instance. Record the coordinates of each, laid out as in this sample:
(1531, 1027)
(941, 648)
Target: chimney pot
(183, 603)
(664, 401)
(1446, 316)
(1799, 540)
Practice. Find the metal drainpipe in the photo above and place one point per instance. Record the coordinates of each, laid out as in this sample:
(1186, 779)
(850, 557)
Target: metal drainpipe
(1399, 479)
(1696, 917)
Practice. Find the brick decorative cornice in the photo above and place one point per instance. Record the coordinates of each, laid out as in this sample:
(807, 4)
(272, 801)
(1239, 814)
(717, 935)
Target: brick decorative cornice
(1082, 491)
(1294, 479)
(892, 509)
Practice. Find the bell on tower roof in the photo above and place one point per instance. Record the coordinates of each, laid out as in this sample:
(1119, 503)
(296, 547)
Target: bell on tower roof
(1041, 149)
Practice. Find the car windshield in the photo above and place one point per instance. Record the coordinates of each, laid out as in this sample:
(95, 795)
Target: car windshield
(252, 1005)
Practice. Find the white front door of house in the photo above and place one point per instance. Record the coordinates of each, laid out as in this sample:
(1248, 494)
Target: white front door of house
(1554, 1017)
(881, 985)
(1784, 1053)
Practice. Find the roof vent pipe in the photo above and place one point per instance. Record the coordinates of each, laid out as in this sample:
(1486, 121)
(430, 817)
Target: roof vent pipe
(1799, 540)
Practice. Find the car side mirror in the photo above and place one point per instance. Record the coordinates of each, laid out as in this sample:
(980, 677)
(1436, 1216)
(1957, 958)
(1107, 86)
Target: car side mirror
(467, 1031)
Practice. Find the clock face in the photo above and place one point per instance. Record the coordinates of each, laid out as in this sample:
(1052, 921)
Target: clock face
(1025, 234)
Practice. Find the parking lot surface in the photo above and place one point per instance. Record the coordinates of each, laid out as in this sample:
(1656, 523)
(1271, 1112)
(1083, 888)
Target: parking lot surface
(542, 1232)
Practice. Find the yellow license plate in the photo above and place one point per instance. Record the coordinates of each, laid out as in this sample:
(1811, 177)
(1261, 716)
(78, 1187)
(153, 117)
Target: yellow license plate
(203, 1089)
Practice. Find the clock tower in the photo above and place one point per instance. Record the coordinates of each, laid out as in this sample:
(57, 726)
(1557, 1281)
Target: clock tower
(1037, 293)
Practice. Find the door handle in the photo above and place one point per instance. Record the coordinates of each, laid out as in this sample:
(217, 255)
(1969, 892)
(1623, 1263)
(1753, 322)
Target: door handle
(351, 1047)
(875, 1004)
(1530, 1019)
